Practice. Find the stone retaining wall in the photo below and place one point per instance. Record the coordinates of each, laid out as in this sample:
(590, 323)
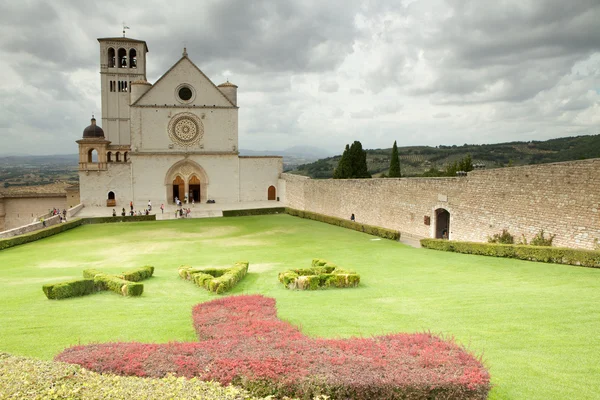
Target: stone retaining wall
(560, 198)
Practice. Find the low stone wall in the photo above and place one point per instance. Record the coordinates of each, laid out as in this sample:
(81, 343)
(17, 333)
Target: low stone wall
(49, 220)
(559, 198)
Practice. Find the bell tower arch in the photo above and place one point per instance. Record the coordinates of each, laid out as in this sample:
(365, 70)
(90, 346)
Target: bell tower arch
(122, 61)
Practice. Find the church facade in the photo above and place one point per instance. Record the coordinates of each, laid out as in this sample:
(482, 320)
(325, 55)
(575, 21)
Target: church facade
(176, 138)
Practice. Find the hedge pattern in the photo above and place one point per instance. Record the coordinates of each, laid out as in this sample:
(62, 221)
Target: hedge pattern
(217, 280)
(557, 255)
(28, 378)
(254, 211)
(104, 281)
(242, 342)
(345, 223)
(95, 281)
(74, 288)
(322, 274)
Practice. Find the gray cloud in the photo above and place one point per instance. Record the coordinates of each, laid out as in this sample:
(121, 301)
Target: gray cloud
(458, 70)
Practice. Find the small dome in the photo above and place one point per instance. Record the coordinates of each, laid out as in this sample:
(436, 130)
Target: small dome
(93, 131)
(227, 84)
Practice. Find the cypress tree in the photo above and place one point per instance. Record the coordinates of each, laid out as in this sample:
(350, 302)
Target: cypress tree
(343, 169)
(394, 171)
(358, 161)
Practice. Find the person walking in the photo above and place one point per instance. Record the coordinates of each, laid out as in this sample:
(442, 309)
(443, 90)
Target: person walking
(131, 205)
(149, 205)
(162, 208)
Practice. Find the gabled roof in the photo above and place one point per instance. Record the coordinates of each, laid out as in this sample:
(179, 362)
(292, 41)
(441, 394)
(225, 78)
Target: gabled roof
(124, 39)
(184, 57)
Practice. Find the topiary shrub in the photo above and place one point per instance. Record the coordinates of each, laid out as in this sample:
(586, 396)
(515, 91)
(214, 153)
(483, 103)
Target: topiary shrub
(74, 288)
(217, 280)
(322, 274)
(139, 274)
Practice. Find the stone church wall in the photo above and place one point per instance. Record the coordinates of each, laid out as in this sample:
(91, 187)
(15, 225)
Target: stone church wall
(257, 174)
(94, 186)
(560, 198)
(151, 181)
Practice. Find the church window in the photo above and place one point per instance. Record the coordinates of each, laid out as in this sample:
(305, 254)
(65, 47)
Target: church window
(125, 155)
(132, 58)
(122, 58)
(185, 93)
(111, 195)
(111, 57)
(109, 157)
(118, 157)
(92, 156)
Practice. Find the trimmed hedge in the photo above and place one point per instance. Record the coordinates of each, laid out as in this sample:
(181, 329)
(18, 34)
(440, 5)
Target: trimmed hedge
(37, 235)
(557, 255)
(113, 283)
(254, 211)
(215, 279)
(344, 223)
(139, 274)
(58, 228)
(119, 218)
(322, 274)
(74, 288)
(28, 378)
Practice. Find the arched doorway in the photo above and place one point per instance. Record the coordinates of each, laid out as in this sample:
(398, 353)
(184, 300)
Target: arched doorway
(111, 202)
(442, 224)
(271, 193)
(178, 188)
(194, 191)
(187, 178)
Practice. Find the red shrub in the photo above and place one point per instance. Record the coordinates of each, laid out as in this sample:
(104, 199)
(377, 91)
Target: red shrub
(243, 342)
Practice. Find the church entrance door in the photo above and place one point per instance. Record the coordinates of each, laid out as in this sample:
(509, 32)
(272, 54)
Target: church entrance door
(194, 191)
(178, 188)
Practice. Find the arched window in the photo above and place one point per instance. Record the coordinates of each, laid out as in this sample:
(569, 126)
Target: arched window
(118, 157)
(111, 57)
(109, 157)
(132, 58)
(125, 155)
(111, 195)
(92, 156)
(122, 58)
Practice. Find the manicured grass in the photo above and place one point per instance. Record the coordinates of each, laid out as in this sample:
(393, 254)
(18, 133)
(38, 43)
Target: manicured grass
(535, 324)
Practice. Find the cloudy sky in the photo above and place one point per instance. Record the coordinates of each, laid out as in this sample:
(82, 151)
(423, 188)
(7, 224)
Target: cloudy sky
(319, 73)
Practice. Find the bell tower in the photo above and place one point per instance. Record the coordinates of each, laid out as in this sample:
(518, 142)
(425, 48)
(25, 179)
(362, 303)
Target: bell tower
(122, 61)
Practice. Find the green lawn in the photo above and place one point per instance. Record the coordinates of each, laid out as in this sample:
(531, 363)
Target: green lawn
(536, 325)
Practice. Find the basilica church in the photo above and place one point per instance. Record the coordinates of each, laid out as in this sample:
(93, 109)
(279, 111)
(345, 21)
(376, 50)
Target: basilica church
(176, 138)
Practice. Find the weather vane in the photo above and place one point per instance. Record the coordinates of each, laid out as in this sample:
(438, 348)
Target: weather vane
(124, 27)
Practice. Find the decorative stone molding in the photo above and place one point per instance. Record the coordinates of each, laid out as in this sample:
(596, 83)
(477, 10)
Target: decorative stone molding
(185, 129)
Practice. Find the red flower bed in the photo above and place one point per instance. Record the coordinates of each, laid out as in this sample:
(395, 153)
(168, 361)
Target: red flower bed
(243, 342)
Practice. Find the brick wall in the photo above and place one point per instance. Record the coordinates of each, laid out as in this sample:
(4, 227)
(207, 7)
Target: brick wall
(560, 198)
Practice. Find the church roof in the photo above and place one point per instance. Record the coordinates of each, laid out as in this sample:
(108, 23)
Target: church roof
(124, 39)
(93, 131)
(185, 57)
(227, 84)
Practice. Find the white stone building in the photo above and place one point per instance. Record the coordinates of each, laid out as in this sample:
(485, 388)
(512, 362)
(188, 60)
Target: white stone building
(177, 137)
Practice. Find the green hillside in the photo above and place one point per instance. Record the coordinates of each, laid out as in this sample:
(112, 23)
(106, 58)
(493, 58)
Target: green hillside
(416, 160)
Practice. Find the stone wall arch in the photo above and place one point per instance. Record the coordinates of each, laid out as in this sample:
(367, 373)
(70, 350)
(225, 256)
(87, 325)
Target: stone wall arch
(438, 219)
(188, 170)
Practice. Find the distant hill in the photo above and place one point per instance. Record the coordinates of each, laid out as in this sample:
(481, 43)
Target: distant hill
(416, 160)
(293, 156)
